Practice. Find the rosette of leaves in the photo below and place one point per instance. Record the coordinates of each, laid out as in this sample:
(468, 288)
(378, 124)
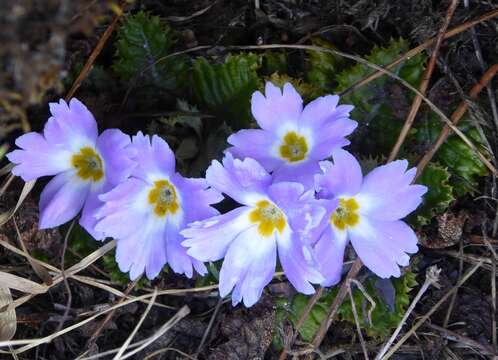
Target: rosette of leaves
(380, 104)
(142, 46)
(225, 89)
(391, 297)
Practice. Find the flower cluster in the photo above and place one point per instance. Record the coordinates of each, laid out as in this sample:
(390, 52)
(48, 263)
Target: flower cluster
(295, 206)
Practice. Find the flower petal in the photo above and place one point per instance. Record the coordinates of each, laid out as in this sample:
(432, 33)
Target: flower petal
(88, 218)
(382, 245)
(257, 144)
(329, 254)
(62, 199)
(143, 250)
(245, 181)
(155, 159)
(386, 193)
(324, 109)
(112, 145)
(249, 263)
(38, 158)
(276, 107)
(299, 269)
(341, 178)
(208, 240)
(178, 259)
(331, 136)
(302, 172)
(71, 127)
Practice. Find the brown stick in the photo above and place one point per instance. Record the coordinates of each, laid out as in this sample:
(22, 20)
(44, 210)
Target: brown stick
(424, 84)
(455, 118)
(452, 32)
(343, 291)
(96, 51)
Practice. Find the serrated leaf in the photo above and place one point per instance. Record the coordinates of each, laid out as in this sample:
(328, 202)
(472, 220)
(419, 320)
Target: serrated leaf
(143, 40)
(274, 62)
(439, 193)
(226, 89)
(322, 67)
(374, 102)
(464, 165)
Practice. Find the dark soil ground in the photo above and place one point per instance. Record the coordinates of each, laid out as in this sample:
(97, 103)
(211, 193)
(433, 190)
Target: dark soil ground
(42, 43)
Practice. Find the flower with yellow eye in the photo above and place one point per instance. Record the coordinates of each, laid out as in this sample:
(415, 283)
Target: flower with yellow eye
(275, 218)
(146, 213)
(84, 164)
(367, 212)
(292, 139)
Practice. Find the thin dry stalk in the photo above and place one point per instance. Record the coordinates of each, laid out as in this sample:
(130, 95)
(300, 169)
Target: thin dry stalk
(455, 118)
(96, 51)
(453, 298)
(209, 327)
(357, 322)
(424, 84)
(184, 311)
(431, 278)
(126, 344)
(424, 318)
(417, 50)
(451, 335)
(64, 278)
(306, 311)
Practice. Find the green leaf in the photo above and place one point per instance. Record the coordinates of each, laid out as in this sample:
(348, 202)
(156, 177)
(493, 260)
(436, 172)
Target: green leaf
(439, 193)
(322, 67)
(464, 165)
(307, 91)
(143, 40)
(384, 318)
(376, 102)
(226, 89)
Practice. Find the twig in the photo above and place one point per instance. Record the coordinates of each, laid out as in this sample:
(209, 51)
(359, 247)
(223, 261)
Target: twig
(424, 83)
(455, 118)
(324, 326)
(96, 51)
(431, 278)
(64, 278)
(357, 322)
(306, 311)
(452, 32)
(209, 327)
(431, 311)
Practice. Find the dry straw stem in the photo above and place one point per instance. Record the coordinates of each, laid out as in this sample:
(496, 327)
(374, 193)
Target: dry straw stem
(126, 344)
(431, 278)
(4, 217)
(96, 51)
(424, 84)
(455, 118)
(431, 311)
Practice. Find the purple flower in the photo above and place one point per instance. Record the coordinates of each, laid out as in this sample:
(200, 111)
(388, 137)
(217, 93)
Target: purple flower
(276, 217)
(368, 214)
(292, 140)
(146, 213)
(84, 164)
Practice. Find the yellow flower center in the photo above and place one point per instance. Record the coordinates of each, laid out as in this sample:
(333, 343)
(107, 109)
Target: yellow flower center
(294, 147)
(269, 217)
(346, 214)
(163, 198)
(89, 164)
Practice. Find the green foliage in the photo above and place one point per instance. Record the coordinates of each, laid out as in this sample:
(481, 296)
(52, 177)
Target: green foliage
(463, 164)
(439, 194)
(385, 316)
(375, 102)
(322, 67)
(143, 40)
(274, 62)
(226, 89)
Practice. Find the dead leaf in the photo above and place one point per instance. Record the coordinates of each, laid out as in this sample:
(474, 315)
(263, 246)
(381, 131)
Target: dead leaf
(8, 321)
